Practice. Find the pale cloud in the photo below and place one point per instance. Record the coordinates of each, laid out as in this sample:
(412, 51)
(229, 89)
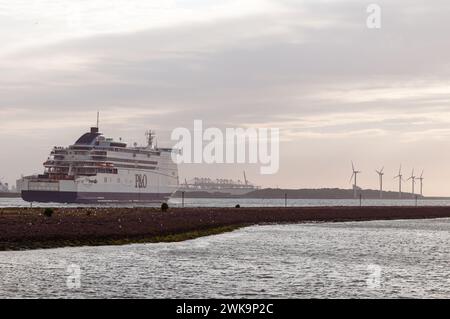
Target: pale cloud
(396, 91)
(19, 123)
(312, 68)
(367, 133)
(42, 22)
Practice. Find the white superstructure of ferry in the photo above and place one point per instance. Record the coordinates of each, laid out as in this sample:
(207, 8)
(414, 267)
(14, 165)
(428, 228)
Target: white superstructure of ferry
(100, 170)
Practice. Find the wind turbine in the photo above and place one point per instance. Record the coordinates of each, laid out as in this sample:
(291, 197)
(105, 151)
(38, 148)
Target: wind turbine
(400, 179)
(380, 174)
(421, 183)
(354, 175)
(413, 181)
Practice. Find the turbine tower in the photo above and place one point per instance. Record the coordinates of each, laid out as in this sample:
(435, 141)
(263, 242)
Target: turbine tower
(400, 179)
(354, 175)
(413, 181)
(421, 183)
(380, 174)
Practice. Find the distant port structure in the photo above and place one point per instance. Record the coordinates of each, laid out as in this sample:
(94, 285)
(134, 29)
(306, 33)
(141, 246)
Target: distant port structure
(4, 187)
(221, 187)
(6, 190)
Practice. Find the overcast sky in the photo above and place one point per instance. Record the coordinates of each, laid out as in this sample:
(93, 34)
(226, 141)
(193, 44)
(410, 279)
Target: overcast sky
(337, 90)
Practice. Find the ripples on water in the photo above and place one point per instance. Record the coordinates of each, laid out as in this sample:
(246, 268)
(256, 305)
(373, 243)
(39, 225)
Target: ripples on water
(330, 260)
(246, 202)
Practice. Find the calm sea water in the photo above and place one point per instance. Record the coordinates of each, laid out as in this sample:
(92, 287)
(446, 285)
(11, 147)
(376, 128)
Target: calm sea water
(389, 259)
(218, 202)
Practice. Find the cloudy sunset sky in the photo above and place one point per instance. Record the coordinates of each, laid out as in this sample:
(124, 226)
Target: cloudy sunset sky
(337, 90)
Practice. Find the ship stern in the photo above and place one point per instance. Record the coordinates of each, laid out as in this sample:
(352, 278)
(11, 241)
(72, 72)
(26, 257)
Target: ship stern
(33, 189)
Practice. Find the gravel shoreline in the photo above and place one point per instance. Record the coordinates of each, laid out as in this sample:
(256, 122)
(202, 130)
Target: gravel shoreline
(28, 228)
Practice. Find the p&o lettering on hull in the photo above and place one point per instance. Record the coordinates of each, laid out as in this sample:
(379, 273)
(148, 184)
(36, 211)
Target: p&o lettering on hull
(141, 181)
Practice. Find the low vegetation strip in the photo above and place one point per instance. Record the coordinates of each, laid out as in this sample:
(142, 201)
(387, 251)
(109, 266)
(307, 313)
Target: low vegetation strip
(22, 228)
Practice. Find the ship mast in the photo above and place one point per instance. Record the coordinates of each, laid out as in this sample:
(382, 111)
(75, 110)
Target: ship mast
(150, 138)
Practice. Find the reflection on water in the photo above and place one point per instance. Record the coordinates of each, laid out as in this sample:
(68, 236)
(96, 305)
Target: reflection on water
(357, 259)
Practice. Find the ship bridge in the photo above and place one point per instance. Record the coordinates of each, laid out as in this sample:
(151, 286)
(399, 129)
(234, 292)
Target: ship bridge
(94, 138)
(89, 138)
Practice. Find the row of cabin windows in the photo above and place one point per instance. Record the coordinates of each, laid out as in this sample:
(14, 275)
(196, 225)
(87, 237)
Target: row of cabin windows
(110, 180)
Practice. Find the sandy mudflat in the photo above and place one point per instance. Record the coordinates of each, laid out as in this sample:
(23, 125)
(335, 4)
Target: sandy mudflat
(25, 228)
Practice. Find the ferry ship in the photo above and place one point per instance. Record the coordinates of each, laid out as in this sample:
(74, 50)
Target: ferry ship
(217, 188)
(100, 170)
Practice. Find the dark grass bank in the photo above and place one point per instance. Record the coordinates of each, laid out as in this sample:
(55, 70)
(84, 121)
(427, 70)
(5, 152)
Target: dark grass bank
(29, 228)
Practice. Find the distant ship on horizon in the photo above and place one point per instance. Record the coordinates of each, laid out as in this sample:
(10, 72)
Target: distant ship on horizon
(217, 187)
(97, 169)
